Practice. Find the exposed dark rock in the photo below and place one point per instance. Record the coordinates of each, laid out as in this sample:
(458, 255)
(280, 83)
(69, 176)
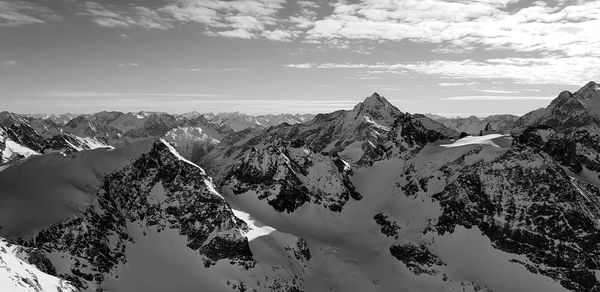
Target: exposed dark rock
(417, 258)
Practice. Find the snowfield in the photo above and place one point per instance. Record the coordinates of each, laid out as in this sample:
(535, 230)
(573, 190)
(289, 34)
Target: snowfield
(256, 229)
(490, 140)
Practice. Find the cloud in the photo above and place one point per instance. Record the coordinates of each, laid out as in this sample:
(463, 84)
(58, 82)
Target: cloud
(235, 33)
(301, 66)
(17, 13)
(549, 70)
(278, 35)
(545, 70)
(456, 84)
(466, 25)
(10, 63)
(343, 66)
(233, 19)
(128, 64)
(559, 28)
(245, 19)
(305, 17)
(227, 69)
(497, 97)
(131, 16)
(363, 78)
(564, 28)
(497, 91)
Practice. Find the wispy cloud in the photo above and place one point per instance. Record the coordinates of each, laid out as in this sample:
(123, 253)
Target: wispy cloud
(546, 70)
(278, 35)
(131, 16)
(227, 69)
(243, 19)
(497, 91)
(130, 64)
(456, 84)
(17, 13)
(344, 66)
(362, 77)
(10, 63)
(233, 19)
(498, 97)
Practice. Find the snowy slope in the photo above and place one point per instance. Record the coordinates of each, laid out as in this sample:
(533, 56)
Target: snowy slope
(352, 253)
(12, 151)
(17, 275)
(46, 189)
(515, 197)
(100, 214)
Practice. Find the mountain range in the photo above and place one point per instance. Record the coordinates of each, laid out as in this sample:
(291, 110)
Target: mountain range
(366, 199)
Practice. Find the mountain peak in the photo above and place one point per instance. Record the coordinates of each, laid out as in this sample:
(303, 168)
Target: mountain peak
(375, 102)
(591, 89)
(378, 109)
(376, 99)
(569, 112)
(592, 84)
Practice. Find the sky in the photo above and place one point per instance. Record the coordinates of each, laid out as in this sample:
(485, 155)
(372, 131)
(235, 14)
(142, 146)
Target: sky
(449, 57)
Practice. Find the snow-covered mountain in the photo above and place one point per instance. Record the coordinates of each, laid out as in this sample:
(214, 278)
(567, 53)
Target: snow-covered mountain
(519, 201)
(369, 199)
(191, 142)
(373, 130)
(153, 222)
(19, 139)
(11, 150)
(59, 119)
(478, 126)
(194, 134)
(434, 202)
(239, 121)
(568, 130)
(117, 128)
(569, 112)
